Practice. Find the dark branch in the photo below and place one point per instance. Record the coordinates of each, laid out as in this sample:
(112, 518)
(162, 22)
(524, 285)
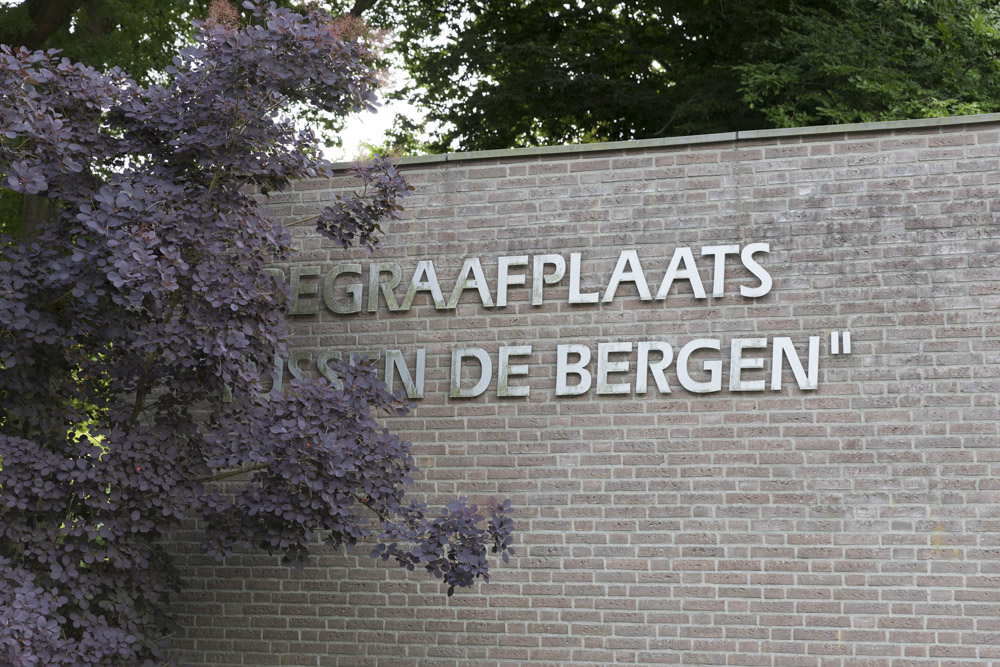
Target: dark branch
(48, 17)
(361, 6)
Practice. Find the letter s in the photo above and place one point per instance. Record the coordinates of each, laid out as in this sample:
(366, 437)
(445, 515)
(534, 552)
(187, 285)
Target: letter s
(748, 261)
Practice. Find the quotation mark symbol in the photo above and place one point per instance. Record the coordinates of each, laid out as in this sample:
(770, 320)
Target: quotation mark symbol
(835, 342)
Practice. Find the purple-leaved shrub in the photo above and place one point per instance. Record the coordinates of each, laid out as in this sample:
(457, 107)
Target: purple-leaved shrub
(128, 310)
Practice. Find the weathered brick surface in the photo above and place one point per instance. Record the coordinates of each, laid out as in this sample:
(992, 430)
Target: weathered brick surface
(854, 525)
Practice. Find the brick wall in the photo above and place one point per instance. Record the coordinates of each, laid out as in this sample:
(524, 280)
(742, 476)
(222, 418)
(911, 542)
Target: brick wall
(857, 523)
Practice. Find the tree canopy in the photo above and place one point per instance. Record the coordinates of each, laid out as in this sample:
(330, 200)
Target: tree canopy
(523, 73)
(138, 297)
(503, 73)
(138, 35)
(497, 73)
(873, 60)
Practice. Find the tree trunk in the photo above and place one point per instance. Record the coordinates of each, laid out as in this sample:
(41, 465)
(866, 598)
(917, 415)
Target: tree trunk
(36, 210)
(361, 6)
(48, 16)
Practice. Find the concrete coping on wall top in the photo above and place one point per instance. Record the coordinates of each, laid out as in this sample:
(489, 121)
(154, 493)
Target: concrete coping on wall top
(693, 140)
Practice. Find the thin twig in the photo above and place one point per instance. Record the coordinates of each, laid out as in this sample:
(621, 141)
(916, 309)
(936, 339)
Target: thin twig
(231, 473)
(140, 396)
(299, 222)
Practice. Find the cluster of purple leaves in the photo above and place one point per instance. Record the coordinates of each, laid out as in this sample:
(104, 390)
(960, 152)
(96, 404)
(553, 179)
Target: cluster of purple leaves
(131, 309)
(354, 219)
(452, 546)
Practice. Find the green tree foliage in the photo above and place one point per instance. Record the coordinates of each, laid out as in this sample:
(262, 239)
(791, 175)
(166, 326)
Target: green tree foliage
(139, 36)
(498, 73)
(502, 73)
(551, 71)
(872, 60)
